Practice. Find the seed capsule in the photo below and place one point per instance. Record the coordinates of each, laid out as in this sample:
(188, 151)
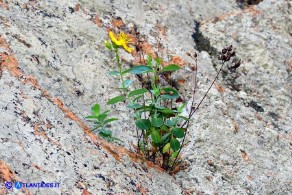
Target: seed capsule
(224, 51)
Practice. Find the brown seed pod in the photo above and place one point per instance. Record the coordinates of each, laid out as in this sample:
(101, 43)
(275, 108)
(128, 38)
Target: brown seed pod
(224, 50)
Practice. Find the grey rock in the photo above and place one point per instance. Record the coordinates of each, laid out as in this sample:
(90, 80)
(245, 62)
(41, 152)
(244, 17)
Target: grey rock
(239, 141)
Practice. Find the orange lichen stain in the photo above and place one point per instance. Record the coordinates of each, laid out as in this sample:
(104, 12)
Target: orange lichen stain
(6, 173)
(98, 21)
(117, 22)
(251, 10)
(76, 7)
(175, 60)
(181, 81)
(39, 167)
(4, 5)
(10, 63)
(236, 128)
(141, 189)
(152, 165)
(39, 131)
(219, 88)
(245, 156)
(147, 49)
(85, 192)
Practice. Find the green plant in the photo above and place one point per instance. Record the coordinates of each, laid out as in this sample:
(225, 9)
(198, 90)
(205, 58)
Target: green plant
(100, 121)
(160, 126)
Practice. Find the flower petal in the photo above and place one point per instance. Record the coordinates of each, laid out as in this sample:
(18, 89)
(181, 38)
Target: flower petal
(127, 48)
(114, 39)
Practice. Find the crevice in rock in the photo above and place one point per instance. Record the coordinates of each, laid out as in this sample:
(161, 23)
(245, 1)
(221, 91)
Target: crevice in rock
(203, 43)
(246, 3)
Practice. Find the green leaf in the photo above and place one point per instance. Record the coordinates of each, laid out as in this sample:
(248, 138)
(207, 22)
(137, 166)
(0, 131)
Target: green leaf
(166, 148)
(164, 128)
(155, 90)
(156, 138)
(137, 92)
(134, 106)
(157, 122)
(171, 67)
(116, 99)
(95, 109)
(140, 69)
(110, 120)
(105, 112)
(169, 93)
(113, 73)
(105, 133)
(158, 62)
(96, 127)
(143, 124)
(149, 61)
(101, 117)
(172, 122)
(178, 132)
(165, 138)
(174, 155)
(117, 139)
(174, 144)
(138, 97)
(146, 108)
(127, 83)
(166, 111)
(181, 107)
(183, 117)
(108, 45)
(91, 117)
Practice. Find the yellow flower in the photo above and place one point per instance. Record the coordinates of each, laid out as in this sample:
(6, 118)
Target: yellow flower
(121, 40)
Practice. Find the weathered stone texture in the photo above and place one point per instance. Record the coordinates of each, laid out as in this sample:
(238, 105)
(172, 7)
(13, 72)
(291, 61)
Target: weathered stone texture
(54, 67)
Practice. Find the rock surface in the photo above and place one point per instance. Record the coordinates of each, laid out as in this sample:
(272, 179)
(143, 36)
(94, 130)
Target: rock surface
(54, 67)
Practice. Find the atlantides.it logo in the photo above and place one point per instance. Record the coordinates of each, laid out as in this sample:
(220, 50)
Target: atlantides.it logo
(18, 185)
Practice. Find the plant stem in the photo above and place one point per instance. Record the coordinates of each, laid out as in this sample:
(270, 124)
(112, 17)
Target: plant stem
(120, 68)
(192, 111)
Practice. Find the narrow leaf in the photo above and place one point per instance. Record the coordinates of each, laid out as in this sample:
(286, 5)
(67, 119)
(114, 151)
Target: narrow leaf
(174, 155)
(105, 133)
(116, 99)
(110, 120)
(165, 138)
(137, 92)
(166, 111)
(113, 73)
(140, 69)
(101, 117)
(127, 83)
(171, 67)
(91, 117)
(181, 107)
(134, 106)
(95, 109)
(183, 117)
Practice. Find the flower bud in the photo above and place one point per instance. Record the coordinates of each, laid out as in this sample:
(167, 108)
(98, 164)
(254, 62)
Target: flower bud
(224, 50)
(229, 48)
